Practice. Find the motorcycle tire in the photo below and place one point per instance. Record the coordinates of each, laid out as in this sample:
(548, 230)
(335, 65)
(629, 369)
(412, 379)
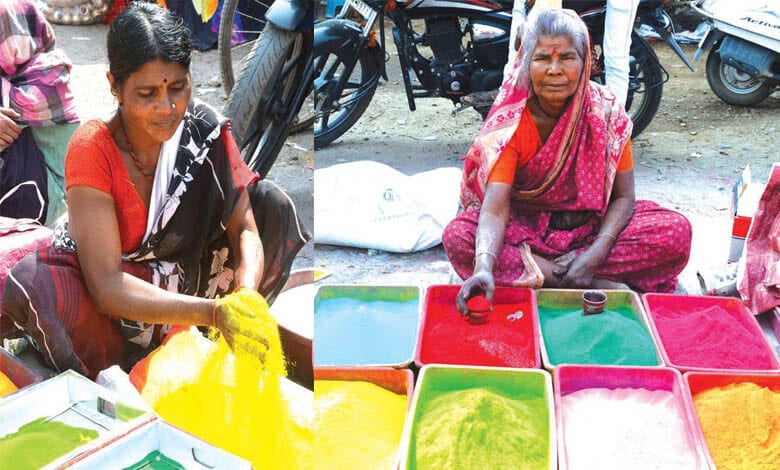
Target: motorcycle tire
(261, 103)
(643, 104)
(733, 86)
(357, 100)
(254, 11)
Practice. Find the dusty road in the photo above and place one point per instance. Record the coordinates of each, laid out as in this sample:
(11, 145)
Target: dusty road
(687, 159)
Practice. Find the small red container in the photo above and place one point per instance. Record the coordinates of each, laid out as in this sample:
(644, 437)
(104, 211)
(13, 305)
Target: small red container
(479, 309)
(510, 338)
(680, 356)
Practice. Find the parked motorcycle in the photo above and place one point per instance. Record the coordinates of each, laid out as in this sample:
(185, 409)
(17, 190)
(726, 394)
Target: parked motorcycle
(743, 65)
(271, 87)
(469, 41)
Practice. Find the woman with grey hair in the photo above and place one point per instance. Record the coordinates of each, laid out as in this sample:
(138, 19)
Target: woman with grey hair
(548, 185)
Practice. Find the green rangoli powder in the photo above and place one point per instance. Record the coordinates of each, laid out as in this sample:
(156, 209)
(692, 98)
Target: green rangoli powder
(613, 337)
(156, 460)
(478, 428)
(38, 443)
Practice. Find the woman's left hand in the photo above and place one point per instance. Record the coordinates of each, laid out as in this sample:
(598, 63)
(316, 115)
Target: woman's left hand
(576, 271)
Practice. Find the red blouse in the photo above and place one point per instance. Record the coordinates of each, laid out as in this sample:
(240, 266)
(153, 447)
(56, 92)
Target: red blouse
(524, 145)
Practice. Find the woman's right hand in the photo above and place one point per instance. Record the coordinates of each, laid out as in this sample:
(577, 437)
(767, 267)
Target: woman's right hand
(9, 129)
(240, 325)
(481, 282)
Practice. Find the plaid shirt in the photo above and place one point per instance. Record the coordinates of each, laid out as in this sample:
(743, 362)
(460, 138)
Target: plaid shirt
(34, 76)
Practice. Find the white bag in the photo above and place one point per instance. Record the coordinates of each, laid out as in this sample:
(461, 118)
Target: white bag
(366, 204)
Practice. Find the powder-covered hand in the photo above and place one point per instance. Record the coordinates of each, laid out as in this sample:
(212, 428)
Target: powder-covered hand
(238, 319)
(480, 283)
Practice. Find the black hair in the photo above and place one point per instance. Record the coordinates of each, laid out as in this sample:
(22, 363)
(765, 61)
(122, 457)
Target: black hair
(144, 32)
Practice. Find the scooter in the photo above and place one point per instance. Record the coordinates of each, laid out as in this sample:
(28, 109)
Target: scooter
(743, 65)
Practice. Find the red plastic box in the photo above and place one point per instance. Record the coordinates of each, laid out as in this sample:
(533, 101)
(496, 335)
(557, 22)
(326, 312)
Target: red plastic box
(697, 382)
(21, 375)
(571, 378)
(737, 311)
(399, 381)
(504, 341)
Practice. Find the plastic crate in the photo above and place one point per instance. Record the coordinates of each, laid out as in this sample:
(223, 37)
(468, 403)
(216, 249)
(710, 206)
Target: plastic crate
(447, 338)
(572, 299)
(21, 375)
(398, 381)
(512, 383)
(129, 448)
(369, 326)
(571, 378)
(75, 401)
(697, 382)
(685, 304)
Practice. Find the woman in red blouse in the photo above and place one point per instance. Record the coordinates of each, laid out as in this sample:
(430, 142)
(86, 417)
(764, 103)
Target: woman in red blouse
(164, 216)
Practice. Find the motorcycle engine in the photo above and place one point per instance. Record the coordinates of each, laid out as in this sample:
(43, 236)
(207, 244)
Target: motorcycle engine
(449, 64)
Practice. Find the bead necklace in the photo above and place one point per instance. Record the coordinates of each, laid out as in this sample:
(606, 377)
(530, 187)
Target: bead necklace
(142, 169)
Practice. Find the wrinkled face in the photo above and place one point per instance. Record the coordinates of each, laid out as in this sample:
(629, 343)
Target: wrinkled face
(555, 69)
(154, 99)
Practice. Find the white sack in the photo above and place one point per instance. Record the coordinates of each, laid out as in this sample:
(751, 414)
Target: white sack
(366, 204)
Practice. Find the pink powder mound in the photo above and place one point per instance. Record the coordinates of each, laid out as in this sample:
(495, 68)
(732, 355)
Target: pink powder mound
(711, 338)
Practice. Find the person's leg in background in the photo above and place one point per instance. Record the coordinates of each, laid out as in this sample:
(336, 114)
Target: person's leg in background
(617, 44)
(53, 142)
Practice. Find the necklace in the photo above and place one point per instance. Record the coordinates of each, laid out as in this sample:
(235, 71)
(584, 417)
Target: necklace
(142, 169)
(539, 105)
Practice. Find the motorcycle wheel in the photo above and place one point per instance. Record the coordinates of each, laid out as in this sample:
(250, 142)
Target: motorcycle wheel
(645, 85)
(235, 13)
(731, 85)
(336, 109)
(261, 104)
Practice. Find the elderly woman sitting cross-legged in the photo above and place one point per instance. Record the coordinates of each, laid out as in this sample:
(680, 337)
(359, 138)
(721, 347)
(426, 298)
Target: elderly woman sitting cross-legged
(548, 185)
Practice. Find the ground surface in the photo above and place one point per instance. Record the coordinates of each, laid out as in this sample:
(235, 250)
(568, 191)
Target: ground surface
(687, 159)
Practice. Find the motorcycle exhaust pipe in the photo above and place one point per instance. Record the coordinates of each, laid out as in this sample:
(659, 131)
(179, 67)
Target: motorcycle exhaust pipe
(750, 58)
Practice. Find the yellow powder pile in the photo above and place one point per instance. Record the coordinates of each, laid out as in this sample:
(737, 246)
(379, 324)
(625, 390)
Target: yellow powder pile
(6, 386)
(741, 424)
(478, 428)
(232, 401)
(357, 425)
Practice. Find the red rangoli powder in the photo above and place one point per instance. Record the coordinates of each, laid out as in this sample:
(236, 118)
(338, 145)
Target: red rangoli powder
(711, 337)
(448, 338)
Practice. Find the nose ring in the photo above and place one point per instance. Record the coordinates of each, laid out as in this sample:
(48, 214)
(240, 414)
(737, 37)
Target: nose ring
(173, 105)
